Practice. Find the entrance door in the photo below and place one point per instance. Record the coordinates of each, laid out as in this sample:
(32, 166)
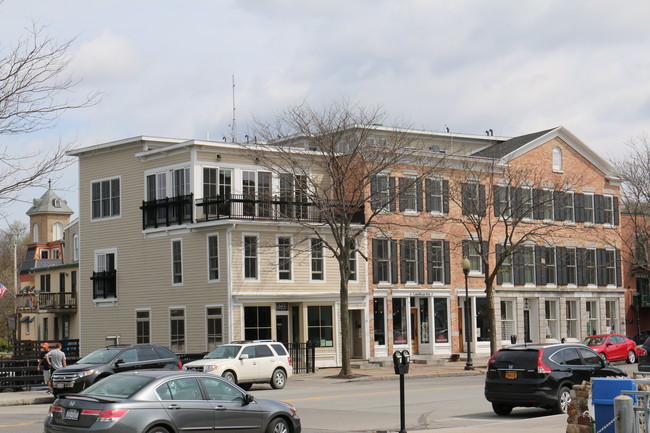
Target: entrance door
(414, 331)
(527, 326)
(356, 334)
(282, 328)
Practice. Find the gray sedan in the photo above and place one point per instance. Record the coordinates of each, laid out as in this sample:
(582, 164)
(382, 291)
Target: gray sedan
(155, 401)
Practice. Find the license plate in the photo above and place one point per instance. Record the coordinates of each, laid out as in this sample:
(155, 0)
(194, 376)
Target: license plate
(511, 374)
(72, 414)
(59, 385)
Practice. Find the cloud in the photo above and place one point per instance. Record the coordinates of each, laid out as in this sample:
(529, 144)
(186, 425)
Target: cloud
(106, 58)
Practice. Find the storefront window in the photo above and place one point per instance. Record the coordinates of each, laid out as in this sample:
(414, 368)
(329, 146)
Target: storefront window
(400, 317)
(424, 320)
(320, 326)
(441, 316)
(482, 320)
(378, 309)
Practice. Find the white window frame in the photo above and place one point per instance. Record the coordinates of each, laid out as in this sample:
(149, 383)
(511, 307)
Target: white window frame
(610, 267)
(75, 247)
(591, 267)
(256, 257)
(475, 260)
(138, 320)
(184, 336)
(100, 266)
(508, 318)
(412, 262)
(315, 259)
(211, 258)
(177, 243)
(529, 265)
(409, 195)
(572, 264)
(354, 269)
(552, 317)
(436, 196)
(385, 261)
(572, 319)
(591, 311)
(526, 203)
(383, 191)
(548, 204)
(569, 204)
(281, 259)
(209, 317)
(589, 209)
(608, 210)
(57, 231)
(438, 260)
(551, 256)
(557, 159)
(111, 211)
(611, 316)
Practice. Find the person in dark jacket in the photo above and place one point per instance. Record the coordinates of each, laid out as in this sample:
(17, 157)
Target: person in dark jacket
(44, 366)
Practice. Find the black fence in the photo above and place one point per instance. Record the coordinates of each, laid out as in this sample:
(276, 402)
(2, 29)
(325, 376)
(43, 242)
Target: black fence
(21, 374)
(303, 356)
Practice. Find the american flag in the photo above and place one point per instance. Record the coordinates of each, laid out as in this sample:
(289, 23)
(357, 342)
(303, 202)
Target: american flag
(3, 290)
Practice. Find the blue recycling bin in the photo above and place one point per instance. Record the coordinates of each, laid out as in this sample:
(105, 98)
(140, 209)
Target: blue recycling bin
(603, 392)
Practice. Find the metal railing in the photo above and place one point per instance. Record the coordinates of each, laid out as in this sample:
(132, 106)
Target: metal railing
(303, 356)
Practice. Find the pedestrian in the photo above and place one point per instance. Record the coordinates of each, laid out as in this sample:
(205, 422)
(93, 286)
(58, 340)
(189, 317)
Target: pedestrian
(44, 366)
(56, 358)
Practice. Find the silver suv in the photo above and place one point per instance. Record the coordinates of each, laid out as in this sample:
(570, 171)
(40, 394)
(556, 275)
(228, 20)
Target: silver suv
(248, 362)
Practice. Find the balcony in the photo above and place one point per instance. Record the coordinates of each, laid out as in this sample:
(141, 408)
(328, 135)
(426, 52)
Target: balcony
(236, 206)
(47, 302)
(104, 285)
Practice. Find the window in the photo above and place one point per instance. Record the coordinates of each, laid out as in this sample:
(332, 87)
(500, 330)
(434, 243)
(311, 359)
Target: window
(557, 159)
(104, 279)
(434, 195)
(572, 319)
(610, 267)
(552, 322)
(473, 196)
(441, 320)
(177, 330)
(608, 209)
(423, 311)
(250, 257)
(45, 254)
(591, 268)
(248, 190)
(506, 270)
(142, 327)
(528, 255)
(157, 190)
(213, 257)
(589, 208)
(214, 325)
(474, 256)
(410, 262)
(400, 321)
(75, 247)
(436, 264)
(547, 205)
(526, 202)
(56, 253)
(353, 260)
(105, 198)
(592, 317)
(317, 260)
(383, 260)
(46, 283)
(502, 207)
(572, 275)
(408, 194)
(380, 190)
(284, 258)
(507, 319)
(257, 323)
(611, 316)
(61, 281)
(177, 262)
(35, 233)
(264, 194)
(551, 269)
(217, 183)
(568, 207)
(73, 281)
(293, 189)
(379, 318)
(57, 231)
(320, 329)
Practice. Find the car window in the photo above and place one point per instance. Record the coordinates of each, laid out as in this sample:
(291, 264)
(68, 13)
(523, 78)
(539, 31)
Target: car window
(224, 352)
(521, 359)
(186, 388)
(263, 351)
(279, 349)
(617, 339)
(130, 355)
(589, 357)
(117, 386)
(593, 341)
(147, 353)
(221, 390)
(163, 352)
(570, 356)
(101, 356)
(249, 350)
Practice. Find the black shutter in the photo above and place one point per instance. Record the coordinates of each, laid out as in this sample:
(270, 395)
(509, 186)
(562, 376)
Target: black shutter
(538, 201)
(445, 253)
(499, 250)
(393, 261)
(391, 191)
(481, 200)
(561, 260)
(402, 262)
(540, 269)
(496, 191)
(418, 197)
(420, 251)
(619, 281)
(601, 266)
(599, 209)
(401, 182)
(375, 265)
(616, 220)
(430, 262)
(579, 203)
(466, 199)
(428, 190)
(581, 268)
(373, 193)
(517, 202)
(445, 196)
(558, 205)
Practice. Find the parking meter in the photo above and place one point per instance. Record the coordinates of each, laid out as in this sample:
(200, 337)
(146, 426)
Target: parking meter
(401, 361)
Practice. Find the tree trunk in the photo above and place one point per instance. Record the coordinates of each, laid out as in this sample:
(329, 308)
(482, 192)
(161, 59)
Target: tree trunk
(494, 335)
(346, 368)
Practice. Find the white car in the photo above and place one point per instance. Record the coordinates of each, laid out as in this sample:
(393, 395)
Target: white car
(248, 362)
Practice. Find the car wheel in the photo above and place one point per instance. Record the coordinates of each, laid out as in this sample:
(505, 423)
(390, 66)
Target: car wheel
(631, 357)
(501, 409)
(157, 429)
(278, 379)
(229, 376)
(246, 386)
(563, 400)
(278, 425)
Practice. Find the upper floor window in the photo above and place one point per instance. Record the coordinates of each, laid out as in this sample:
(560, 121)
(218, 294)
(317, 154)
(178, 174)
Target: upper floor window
(591, 267)
(557, 159)
(177, 262)
(250, 257)
(213, 257)
(568, 207)
(412, 263)
(384, 252)
(75, 247)
(438, 262)
(353, 260)
(317, 260)
(526, 202)
(435, 191)
(571, 266)
(181, 181)
(502, 206)
(104, 279)
(472, 250)
(610, 267)
(608, 209)
(473, 196)
(284, 258)
(547, 204)
(57, 231)
(529, 265)
(382, 189)
(35, 233)
(105, 198)
(551, 269)
(589, 208)
(408, 200)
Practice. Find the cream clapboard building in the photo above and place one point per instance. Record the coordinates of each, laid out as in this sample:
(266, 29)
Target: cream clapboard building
(162, 261)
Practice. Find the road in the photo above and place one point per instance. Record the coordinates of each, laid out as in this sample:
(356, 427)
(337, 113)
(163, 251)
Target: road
(329, 406)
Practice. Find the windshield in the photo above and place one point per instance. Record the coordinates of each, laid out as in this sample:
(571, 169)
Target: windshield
(593, 341)
(117, 386)
(100, 356)
(223, 352)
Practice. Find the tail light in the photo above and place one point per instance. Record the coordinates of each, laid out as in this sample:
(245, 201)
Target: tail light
(55, 409)
(641, 352)
(542, 368)
(180, 365)
(491, 360)
(290, 361)
(111, 415)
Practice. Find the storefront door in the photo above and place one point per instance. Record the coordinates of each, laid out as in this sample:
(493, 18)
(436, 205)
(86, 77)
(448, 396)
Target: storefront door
(414, 331)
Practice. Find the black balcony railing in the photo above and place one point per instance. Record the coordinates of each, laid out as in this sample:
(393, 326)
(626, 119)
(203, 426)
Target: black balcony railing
(104, 284)
(167, 211)
(51, 302)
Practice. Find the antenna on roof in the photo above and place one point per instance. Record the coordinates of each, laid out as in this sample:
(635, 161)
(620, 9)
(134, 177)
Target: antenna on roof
(234, 125)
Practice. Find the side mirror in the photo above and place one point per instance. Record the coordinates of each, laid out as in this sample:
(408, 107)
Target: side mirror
(119, 362)
(243, 356)
(248, 399)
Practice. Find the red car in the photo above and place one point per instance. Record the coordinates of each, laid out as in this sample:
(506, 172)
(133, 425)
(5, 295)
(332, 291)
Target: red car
(612, 347)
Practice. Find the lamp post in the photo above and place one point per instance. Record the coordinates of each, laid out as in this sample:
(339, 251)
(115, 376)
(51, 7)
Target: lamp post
(466, 265)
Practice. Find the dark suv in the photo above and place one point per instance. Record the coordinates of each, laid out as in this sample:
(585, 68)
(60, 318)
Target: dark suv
(109, 360)
(541, 375)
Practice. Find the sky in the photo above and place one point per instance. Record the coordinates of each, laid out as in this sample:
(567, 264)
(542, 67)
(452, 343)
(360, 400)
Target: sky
(166, 68)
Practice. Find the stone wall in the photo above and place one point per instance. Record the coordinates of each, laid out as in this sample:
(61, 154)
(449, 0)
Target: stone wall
(579, 420)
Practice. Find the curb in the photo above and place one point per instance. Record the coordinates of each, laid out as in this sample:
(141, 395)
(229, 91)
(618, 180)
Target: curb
(415, 376)
(27, 401)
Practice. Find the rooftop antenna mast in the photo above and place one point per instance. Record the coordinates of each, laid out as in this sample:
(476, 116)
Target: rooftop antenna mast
(234, 123)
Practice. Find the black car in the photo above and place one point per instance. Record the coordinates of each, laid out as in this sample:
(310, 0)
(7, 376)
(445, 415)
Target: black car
(110, 360)
(643, 355)
(641, 337)
(541, 375)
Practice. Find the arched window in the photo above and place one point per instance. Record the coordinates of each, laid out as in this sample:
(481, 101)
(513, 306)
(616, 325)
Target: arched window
(57, 232)
(35, 233)
(557, 159)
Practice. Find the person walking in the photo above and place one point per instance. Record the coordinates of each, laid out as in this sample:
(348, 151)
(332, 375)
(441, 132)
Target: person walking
(44, 366)
(56, 358)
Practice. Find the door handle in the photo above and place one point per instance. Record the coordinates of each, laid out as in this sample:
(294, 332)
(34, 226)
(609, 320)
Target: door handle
(219, 407)
(173, 407)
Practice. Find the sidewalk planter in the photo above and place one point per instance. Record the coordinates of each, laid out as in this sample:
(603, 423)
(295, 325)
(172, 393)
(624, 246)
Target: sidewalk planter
(603, 391)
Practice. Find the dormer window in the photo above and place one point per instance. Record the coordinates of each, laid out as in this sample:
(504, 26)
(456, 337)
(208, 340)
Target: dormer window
(56, 202)
(557, 159)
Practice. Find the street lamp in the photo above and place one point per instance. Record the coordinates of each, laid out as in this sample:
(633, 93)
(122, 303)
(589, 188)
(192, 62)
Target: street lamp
(466, 265)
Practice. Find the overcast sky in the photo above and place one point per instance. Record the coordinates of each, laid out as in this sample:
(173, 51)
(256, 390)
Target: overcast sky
(516, 67)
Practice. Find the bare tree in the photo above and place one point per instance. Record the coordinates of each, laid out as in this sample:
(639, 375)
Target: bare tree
(12, 249)
(35, 90)
(503, 209)
(327, 161)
